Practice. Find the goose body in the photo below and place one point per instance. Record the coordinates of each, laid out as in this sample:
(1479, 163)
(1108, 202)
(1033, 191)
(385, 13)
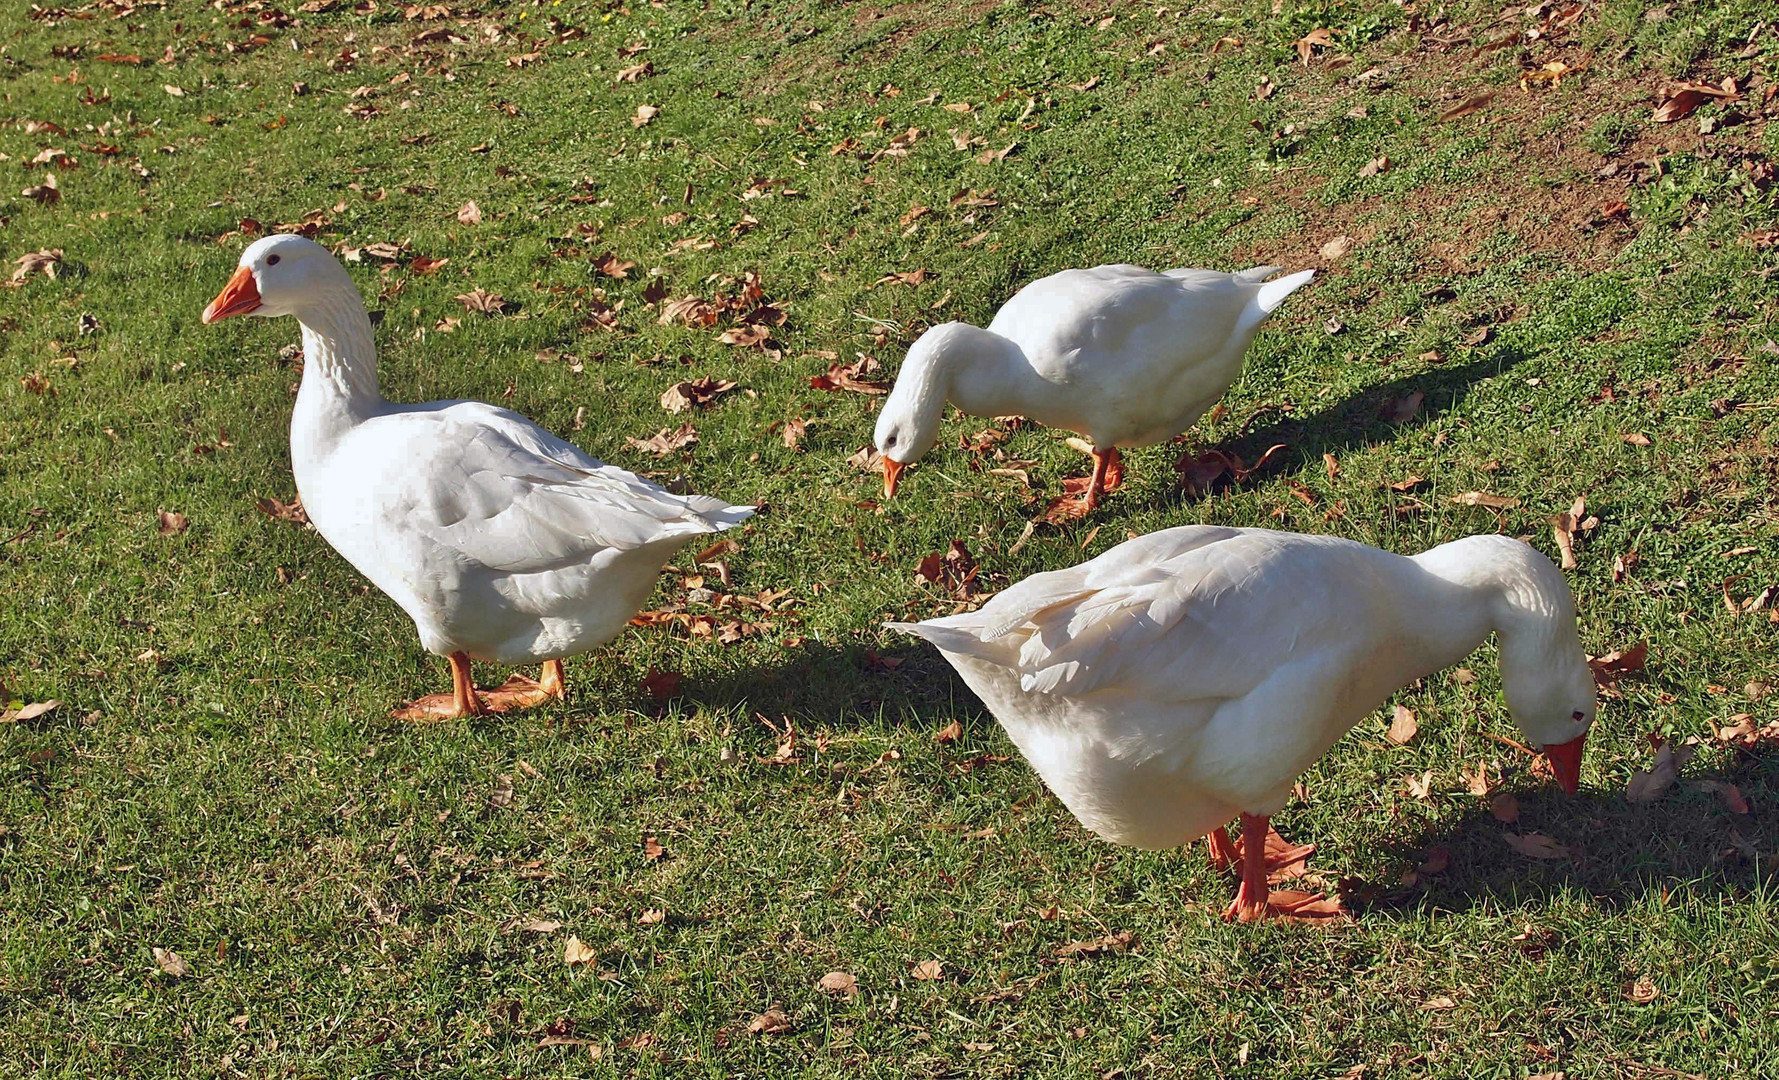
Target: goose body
(1124, 356)
(1189, 676)
(501, 541)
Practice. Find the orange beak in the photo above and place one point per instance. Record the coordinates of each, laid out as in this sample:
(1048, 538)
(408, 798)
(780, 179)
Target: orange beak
(1565, 762)
(892, 471)
(238, 297)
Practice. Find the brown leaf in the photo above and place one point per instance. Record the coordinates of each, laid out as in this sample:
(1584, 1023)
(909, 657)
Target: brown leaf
(172, 523)
(1471, 104)
(1292, 906)
(611, 266)
(644, 113)
(951, 732)
(691, 310)
(291, 511)
(1505, 807)
(1483, 498)
(1563, 527)
(1536, 846)
(652, 849)
(1643, 991)
(1337, 248)
(28, 712)
(1307, 45)
(1651, 784)
(1419, 787)
(1120, 942)
(695, 394)
(746, 335)
(639, 71)
(1678, 106)
(1402, 726)
(171, 962)
(577, 952)
(47, 192)
(838, 982)
(1440, 1003)
(661, 685)
(1375, 166)
(771, 1022)
(665, 442)
(1402, 410)
(469, 213)
(42, 262)
(1609, 667)
(480, 300)
(1727, 793)
(928, 970)
(848, 377)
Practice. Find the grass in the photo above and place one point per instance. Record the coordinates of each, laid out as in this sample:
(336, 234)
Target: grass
(349, 893)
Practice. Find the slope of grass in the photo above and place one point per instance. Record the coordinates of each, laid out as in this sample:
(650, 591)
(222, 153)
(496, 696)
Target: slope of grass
(352, 895)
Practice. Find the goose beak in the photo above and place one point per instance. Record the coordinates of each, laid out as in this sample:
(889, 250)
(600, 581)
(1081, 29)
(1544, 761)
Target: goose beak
(892, 471)
(238, 297)
(1565, 762)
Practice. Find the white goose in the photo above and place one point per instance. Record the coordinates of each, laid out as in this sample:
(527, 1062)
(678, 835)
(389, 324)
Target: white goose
(1123, 355)
(501, 541)
(1188, 676)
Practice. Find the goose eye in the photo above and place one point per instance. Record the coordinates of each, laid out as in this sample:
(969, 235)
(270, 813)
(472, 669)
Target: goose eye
(1578, 715)
(273, 260)
(891, 441)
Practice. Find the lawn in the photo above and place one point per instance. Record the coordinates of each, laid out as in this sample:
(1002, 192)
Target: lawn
(220, 857)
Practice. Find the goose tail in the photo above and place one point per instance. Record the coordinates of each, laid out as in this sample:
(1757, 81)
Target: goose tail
(1271, 294)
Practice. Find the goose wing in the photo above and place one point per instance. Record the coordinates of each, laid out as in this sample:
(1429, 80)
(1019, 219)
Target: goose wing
(1183, 614)
(504, 493)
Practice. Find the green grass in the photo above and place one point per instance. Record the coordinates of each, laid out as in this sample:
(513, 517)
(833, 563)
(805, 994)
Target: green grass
(221, 780)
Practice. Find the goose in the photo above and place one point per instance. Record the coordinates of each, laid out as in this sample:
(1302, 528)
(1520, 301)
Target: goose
(501, 541)
(1185, 678)
(1121, 355)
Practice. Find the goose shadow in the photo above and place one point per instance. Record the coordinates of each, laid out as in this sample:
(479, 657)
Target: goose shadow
(1361, 418)
(837, 682)
(1615, 850)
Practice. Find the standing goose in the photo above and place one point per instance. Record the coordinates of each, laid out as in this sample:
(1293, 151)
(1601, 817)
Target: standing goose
(1187, 677)
(1123, 355)
(501, 541)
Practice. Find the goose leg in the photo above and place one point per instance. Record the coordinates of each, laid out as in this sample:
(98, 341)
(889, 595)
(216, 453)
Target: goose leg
(461, 701)
(1224, 854)
(1103, 462)
(554, 681)
(1250, 904)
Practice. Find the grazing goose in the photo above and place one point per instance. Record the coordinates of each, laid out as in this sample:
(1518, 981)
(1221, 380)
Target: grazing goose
(501, 541)
(1187, 677)
(1122, 355)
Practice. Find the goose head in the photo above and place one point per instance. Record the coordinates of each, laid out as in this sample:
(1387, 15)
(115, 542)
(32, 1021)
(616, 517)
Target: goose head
(282, 274)
(909, 423)
(1552, 703)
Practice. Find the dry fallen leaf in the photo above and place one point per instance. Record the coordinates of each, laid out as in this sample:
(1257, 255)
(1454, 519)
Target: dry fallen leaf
(1375, 166)
(577, 952)
(171, 962)
(951, 732)
(1505, 807)
(1419, 787)
(838, 982)
(1438, 1004)
(1483, 498)
(1307, 45)
(1648, 785)
(644, 113)
(1120, 942)
(1402, 726)
(1728, 794)
(928, 970)
(172, 523)
(1536, 846)
(480, 300)
(1643, 991)
(1474, 103)
(469, 213)
(1337, 248)
(695, 394)
(661, 685)
(771, 1022)
(28, 712)
(1563, 526)
(42, 262)
(665, 442)
(652, 849)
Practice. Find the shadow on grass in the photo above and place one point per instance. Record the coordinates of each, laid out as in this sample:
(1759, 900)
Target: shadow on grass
(1617, 851)
(1360, 419)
